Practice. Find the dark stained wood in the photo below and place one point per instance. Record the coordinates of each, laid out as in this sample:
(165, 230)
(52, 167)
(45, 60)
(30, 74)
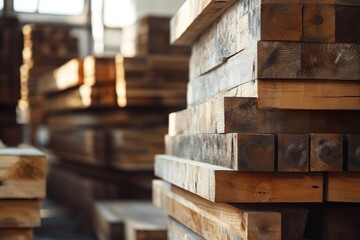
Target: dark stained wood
(293, 152)
(352, 150)
(326, 152)
(348, 24)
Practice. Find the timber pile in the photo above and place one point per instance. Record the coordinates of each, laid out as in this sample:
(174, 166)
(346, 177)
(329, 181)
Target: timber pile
(106, 118)
(45, 48)
(22, 185)
(273, 117)
(10, 58)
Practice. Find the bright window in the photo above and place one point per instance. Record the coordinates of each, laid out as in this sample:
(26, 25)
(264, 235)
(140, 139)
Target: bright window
(59, 7)
(1, 4)
(119, 13)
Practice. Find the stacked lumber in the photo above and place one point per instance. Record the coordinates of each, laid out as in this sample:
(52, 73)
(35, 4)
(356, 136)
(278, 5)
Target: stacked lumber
(150, 35)
(45, 48)
(22, 185)
(273, 117)
(106, 118)
(10, 58)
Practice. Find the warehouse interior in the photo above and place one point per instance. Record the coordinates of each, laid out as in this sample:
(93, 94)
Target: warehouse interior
(181, 119)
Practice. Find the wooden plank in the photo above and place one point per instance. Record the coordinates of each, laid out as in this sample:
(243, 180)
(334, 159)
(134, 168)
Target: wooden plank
(215, 220)
(311, 95)
(112, 218)
(343, 187)
(144, 231)
(352, 151)
(99, 70)
(243, 152)
(19, 214)
(319, 23)
(177, 230)
(293, 152)
(218, 184)
(16, 234)
(68, 75)
(326, 152)
(233, 114)
(193, 18)
(348, 24)
(22, 173)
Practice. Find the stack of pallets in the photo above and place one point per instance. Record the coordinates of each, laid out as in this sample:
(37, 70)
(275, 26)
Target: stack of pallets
(273, 117)
(106, 118)
(45, 48)
(10, 57)
(22, 185)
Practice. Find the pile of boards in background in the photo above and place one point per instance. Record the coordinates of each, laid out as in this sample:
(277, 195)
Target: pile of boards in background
(22, 185)
(273, 118)
(106, 118)
(10, 54)
(45, 48)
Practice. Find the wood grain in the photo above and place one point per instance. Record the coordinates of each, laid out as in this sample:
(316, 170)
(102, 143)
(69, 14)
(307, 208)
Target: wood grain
(218, 184)
(243, 152)
(241, 115)
(319, 23)
(293, 152)
(19, 214)
(326, 152)
(177, 230)
(22, 173)
(217, 220)
(343, 187)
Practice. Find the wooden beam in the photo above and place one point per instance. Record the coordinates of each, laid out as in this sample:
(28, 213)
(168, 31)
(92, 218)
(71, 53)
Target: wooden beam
(112, 218)
(326, 152)
(243, 152)
(22, 173)
(19, 214)
(218, 184)
(136, 230)
(177, 230)
(348, 23)
(16, 234)
(293, 152)
(223, 221)
(352, 150)
(234, 114)
(343, 187)
(193, 18)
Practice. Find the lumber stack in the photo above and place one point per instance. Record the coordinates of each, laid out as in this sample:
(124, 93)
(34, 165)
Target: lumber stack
(45, 48)
(273, 117)
(10, 58)
(22, 185)
(106, 118)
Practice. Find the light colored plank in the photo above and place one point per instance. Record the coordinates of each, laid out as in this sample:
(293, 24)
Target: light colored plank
(215, 220)
(112, 217)
(22, 173)
(218, 184)
(193, 18)
(19, 214)
(177, 230)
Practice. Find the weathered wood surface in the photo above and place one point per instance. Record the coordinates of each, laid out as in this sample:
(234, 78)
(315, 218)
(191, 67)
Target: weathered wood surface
(112, 218)
(68, 75)
(233, 114)
(22, 173)
(16, 234)
(247, 22)
(19, 214)
(352, 152)
(293, 152)
(177, 230)
(243, 152)
(193, 18)
(326, 152)
(215, 220)
(218, 184)
(343, 187)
